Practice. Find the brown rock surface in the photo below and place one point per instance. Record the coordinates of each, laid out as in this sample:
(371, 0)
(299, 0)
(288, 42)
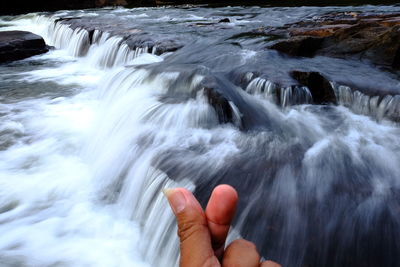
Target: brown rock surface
(346, 35)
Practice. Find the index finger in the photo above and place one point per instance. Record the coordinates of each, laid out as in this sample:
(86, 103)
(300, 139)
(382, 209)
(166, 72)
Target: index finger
(219, 213)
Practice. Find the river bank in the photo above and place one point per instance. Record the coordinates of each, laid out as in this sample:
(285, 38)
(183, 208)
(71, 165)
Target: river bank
(20, 7)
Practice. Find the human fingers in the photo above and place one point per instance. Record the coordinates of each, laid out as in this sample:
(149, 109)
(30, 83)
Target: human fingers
(195, 240)
(220, 211)
(269, 264)
(241, 253)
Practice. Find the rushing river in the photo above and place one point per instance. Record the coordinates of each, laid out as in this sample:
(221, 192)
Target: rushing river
(90, 134)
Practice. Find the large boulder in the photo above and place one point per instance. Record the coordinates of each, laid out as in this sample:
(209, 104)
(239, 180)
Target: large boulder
(346, 35)
(15, 45)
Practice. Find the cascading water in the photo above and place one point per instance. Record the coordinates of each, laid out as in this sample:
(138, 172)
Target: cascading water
(104, 128)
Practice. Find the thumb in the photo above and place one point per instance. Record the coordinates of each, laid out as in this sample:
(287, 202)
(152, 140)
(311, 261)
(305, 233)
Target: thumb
(195, 240)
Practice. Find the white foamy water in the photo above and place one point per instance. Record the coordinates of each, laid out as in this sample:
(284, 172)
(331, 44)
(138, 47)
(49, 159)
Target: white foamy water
(50, 214)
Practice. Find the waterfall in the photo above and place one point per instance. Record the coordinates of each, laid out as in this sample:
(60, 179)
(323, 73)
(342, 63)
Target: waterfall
(101, 49)
(379, 107)
(104, 50)
(318, 184)
(285, 96)
(172, 141)
(376, 106)
(263, 87)
(152, 128)
(76, 42)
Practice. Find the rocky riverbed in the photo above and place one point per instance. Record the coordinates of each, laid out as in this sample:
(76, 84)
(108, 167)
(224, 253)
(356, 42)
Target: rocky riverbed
(353, 35)
(366, 40)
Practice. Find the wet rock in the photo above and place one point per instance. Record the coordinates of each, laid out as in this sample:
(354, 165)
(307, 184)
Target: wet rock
(139, 40)
(16, 45)
(396, 61)
(242, 77)
(166, 45)
(321, 89)
(220, 104)
(225, 20)
(301, 46)
(346, 35)
(371, 42)
(323, 31)
(101, 3)
(158, 46)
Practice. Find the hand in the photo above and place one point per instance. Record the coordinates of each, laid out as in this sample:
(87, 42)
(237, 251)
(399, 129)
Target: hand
(202, 234)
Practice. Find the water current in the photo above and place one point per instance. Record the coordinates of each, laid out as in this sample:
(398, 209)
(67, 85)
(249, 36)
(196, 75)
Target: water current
(93, 130)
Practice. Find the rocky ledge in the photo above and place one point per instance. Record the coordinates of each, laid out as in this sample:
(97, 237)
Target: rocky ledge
(134, 37)
(15, 45)
(367, 41)
(370, 38)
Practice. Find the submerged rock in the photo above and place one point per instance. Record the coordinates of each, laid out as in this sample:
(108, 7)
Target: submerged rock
(220, 104)
(225, 20)
(16, 45)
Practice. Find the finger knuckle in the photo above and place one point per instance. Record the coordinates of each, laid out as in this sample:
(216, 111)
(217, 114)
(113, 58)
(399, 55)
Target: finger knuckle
(242, 243)
(189, 229)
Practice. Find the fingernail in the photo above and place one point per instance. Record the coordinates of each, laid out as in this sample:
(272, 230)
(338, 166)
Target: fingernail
(176, 199)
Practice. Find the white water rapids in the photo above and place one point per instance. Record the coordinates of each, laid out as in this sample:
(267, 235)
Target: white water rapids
(54, 171)
(82, 169)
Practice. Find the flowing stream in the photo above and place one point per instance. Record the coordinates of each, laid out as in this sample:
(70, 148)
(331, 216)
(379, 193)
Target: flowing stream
(93, 130)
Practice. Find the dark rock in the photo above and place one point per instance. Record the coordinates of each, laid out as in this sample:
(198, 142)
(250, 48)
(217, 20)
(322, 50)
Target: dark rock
(396, 61)
(167, 45)
(15, 45)
(101, 3)
(225, 20)
(158, 46)
(91, 33)
(139, 40)
(302, 46)
(220, 104)
(320, 88)
(371, 42)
